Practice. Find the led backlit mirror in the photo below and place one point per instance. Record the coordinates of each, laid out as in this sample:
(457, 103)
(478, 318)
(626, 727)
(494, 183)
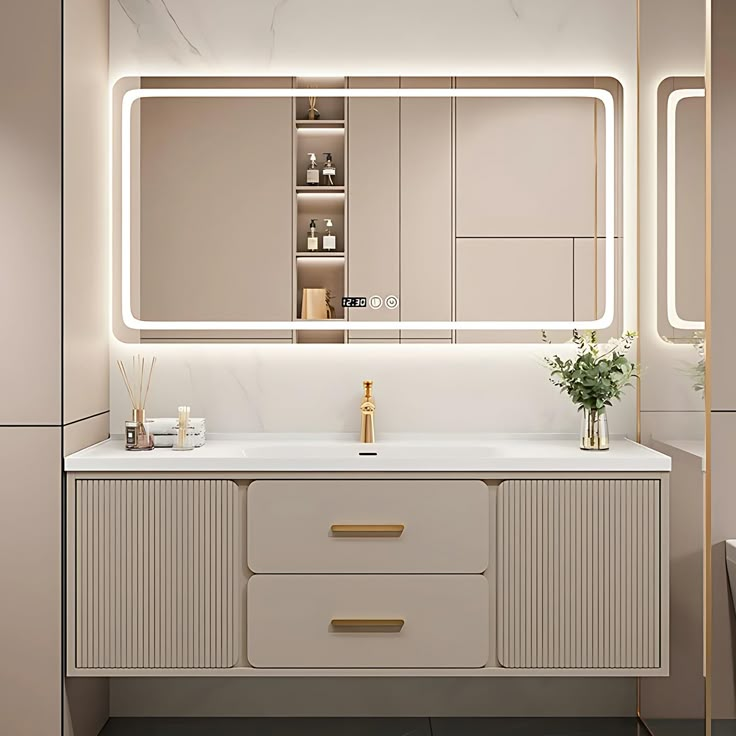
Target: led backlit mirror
(367, 209)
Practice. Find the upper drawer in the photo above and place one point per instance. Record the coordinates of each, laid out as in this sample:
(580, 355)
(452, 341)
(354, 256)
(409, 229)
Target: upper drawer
(363, 526)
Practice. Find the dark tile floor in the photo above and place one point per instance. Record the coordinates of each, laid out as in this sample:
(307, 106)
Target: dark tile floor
(400, 727)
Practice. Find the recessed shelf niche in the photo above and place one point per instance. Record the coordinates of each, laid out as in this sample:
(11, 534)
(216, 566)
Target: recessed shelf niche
(320, 269)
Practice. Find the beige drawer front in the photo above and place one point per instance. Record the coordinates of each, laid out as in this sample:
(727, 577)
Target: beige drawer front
(345, 526)
(339, 621)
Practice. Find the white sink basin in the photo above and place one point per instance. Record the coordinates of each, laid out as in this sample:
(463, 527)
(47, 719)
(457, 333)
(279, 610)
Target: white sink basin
(393, 451)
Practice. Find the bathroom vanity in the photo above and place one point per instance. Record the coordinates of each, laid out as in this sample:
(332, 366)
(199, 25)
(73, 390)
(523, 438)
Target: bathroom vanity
(292, 556)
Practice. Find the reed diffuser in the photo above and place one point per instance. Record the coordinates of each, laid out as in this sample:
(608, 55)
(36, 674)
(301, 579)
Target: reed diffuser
(138, 383)
(313, 112)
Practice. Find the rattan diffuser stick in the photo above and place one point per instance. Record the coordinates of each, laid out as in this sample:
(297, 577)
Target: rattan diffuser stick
(140, 384)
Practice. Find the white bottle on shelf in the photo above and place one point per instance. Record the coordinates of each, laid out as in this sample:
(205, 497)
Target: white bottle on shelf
(312, 239)
(329, 241)
(328, 170)
(312, 171)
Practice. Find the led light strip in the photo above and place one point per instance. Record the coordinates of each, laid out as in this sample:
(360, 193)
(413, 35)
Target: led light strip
(673, 101)
(599, 94)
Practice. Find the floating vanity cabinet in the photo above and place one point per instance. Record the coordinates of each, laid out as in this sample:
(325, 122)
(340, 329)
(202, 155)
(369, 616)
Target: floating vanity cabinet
(156, 570)
(259, 569)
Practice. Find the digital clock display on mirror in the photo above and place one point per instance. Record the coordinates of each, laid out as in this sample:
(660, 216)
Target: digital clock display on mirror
(355, 301)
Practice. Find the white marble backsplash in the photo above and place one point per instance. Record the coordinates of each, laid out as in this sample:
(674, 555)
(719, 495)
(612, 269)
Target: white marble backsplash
(317, 388)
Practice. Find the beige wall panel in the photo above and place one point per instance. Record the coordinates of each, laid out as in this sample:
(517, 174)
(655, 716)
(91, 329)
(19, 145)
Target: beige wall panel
(426, 212)
(373, 208)
(681, 694)
(723, 428)
(87, 432)
(86, 705)
(30, 578)
(216, 197)
(426, 82)
(30, 212)
(445, 526)
(446, 620)
(86, 205)
(525, 167)
(723, 259)
(374, 696)
(513, 279)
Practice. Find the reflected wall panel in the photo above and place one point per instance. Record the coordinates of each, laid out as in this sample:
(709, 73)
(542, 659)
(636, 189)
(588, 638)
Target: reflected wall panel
(525, 167)
(427, 175)
(519, 279)
(373, 203)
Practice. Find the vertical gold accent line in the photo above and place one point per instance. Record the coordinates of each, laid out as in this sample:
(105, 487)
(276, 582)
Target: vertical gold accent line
(638, 272)
(707, 561)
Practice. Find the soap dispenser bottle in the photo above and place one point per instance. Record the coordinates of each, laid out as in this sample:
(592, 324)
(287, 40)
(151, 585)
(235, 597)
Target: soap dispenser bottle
(328, 171)
(312, 171)
(312, 239)
(329, 241)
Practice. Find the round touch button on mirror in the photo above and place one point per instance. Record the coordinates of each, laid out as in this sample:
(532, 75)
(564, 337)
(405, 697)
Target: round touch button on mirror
(375, 302)
(392, 301)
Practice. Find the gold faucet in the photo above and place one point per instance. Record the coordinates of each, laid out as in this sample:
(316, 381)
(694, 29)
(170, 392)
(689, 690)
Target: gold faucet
(367, 410)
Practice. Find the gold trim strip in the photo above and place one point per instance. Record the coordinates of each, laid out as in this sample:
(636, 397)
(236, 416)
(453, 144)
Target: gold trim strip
(707, 561)
(367, 623)
(368, 530)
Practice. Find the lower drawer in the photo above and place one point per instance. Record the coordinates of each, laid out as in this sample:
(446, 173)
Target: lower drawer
(331, 621)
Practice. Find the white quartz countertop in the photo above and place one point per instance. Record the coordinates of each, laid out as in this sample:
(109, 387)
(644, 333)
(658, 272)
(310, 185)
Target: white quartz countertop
(391, 453)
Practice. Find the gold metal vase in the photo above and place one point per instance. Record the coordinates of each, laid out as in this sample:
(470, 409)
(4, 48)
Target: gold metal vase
(594, 430)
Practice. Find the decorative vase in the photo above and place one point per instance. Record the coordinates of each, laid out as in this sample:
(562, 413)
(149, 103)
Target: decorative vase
(594, 430)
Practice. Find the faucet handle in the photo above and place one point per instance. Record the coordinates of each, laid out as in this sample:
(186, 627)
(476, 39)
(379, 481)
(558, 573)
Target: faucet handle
(368, 386)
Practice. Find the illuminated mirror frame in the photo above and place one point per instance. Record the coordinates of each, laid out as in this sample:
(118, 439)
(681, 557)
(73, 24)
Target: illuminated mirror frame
(603, 322)
(673, 100)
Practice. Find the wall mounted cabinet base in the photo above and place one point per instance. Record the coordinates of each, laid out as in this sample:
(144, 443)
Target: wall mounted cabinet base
(222, 575)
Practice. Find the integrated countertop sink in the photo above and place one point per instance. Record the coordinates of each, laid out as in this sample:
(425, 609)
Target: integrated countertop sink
(390, 450)
(456, 453)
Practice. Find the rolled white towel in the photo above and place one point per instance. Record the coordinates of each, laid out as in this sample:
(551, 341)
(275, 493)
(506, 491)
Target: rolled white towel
(169, 440)
(166, 426)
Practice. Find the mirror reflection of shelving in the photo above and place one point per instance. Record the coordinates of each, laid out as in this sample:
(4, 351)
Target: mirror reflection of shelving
(320, 210)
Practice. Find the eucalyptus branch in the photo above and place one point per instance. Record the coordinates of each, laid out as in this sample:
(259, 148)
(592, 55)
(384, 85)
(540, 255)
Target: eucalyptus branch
(599, 373)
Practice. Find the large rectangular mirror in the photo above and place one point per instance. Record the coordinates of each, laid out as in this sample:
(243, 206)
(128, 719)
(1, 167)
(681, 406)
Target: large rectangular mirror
(354, 209)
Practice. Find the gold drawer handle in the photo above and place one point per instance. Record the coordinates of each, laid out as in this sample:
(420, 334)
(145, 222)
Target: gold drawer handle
(367, 623)
(367, 530)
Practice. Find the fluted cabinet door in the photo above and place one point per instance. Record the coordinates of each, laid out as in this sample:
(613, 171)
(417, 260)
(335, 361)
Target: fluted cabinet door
(156, 574)
(580, 574)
